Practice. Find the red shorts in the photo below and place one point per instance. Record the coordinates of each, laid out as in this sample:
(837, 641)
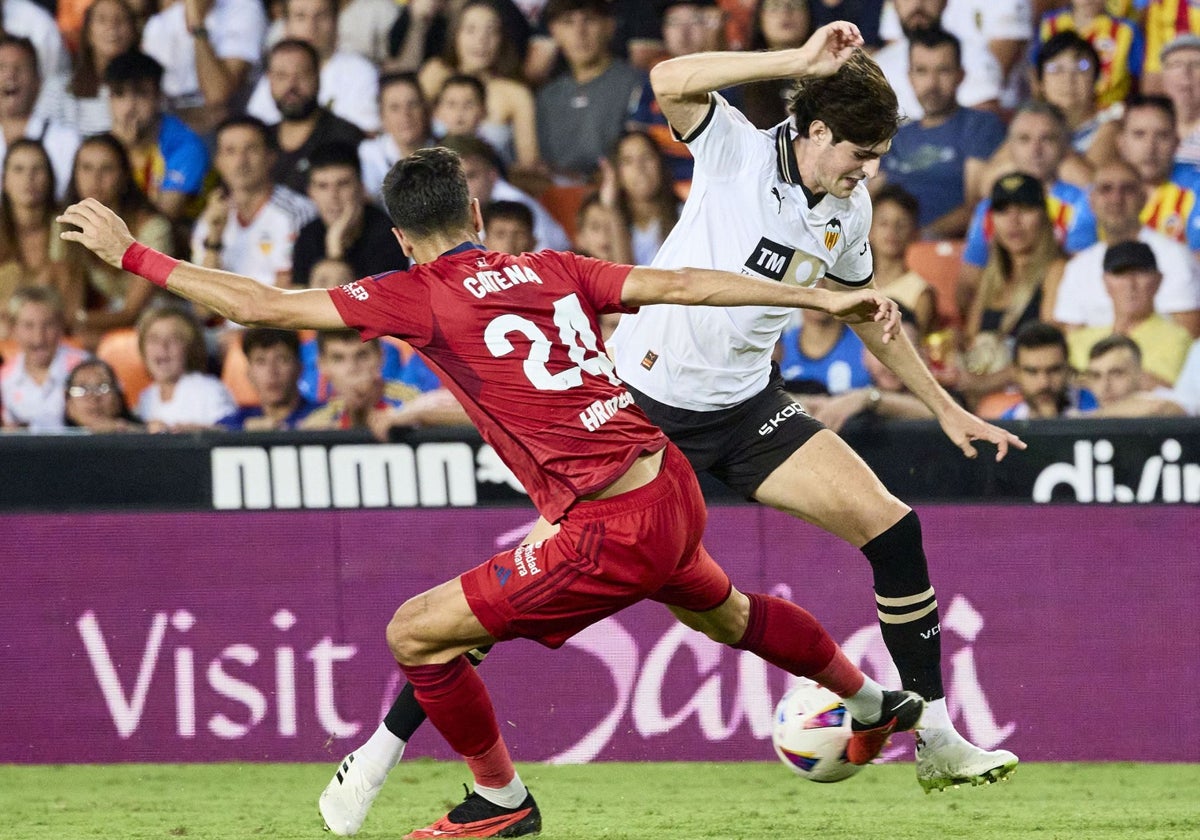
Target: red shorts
(607, 555)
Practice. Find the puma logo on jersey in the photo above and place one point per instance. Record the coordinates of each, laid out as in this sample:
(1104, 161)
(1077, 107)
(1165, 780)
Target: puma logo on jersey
(770, 259)
(778, 197)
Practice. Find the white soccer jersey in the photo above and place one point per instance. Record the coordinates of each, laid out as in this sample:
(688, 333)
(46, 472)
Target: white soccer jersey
(747, 212)
(261, 247)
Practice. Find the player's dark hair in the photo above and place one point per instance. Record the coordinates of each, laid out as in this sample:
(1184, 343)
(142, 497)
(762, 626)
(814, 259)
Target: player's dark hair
(426, 192)
(1039, 334)
(1062, 42)
(252, 123)
(513, 211)
(264, 338)
(132, 67)
(899, 196)
(932, 37)
(856, 103)
(1116, 342)
(464, 80)
(296, 45)
(335, 154)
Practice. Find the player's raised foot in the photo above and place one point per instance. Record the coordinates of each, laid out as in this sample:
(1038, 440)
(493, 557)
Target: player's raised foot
(947, 759)
(347, 798)
(901, 712)
(477, 817)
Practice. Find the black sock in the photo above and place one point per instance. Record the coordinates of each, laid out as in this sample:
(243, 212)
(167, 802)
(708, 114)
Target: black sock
(908, 614)
(406, 714)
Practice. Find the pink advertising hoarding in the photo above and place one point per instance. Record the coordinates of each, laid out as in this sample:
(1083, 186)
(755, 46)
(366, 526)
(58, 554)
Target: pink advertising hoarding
(1068, 634)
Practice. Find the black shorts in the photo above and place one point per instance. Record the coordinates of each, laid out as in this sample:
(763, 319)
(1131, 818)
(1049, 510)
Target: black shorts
(739, 446)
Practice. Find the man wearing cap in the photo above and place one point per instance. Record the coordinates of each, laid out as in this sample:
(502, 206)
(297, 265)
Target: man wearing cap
(1132, 278)
(1117, 197)
(1181, 84)
(582, 110)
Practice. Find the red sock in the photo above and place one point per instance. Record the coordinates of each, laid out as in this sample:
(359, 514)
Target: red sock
(457, 703)
(790, 638)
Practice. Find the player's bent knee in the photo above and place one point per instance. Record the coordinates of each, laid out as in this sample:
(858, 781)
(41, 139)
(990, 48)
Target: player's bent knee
(403, 642)
(725, 624)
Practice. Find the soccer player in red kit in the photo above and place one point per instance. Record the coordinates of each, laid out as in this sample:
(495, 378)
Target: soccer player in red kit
(516, 340)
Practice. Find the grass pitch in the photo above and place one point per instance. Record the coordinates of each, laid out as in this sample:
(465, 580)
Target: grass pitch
(615, 801)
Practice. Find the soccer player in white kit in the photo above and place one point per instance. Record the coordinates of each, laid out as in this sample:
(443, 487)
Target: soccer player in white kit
(789, 204)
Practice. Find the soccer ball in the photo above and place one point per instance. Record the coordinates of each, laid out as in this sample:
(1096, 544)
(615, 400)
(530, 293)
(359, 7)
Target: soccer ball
(812, 729)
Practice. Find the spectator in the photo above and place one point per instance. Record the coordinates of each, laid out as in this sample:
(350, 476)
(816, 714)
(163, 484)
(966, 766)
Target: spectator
(485, 176)
(354, 370)
(31, 22)
(639, 187)
(688, 26)
(602, 232)
(778, 25)
(169, 160)
(109, 30)
(1114, 377)
(1118, 42)
(209, 50)
(821, 355)
(350, 237)
(477, 46)
(1163, 21)
(94, 400)
(509, 227)
(303, 123)
(405, 117)
(1066, 75)
(941, 157)
(460, 107)
(582, 110)
(636, 38)
(1018, 285)
(349, 84)
(250, 223)
(1116, 197)
(418, 35)
(1132, 278)
(893, 229)
(1036, 146)
(1181, 84)
(32, 381)
(27, 226)
(400, 364)
(273, 368)
(911, 16)
(112, 298)
(181, 397)
(1148, 140)
(884, 397)
(1044, 377)
(20, 83)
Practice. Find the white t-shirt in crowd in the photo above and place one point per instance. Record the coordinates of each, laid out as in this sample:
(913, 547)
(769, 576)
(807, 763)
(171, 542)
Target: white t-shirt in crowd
(198, 398)
(262, 247)
(747, 212)
(37, 406)
(349, 88)
(1083, 300)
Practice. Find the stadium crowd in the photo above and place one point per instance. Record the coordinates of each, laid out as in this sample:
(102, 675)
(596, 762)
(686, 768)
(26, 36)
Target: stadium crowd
(1037, 216)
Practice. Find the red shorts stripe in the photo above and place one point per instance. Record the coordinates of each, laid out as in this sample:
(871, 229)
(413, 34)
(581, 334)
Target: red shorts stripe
(607, 555)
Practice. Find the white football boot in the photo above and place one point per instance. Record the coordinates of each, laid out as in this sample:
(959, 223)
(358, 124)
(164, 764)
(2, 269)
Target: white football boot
(947, 759)
(347, 798)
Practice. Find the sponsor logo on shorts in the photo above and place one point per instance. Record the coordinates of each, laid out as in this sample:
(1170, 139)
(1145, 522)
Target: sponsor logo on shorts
(649, 359)
(503, 573)
(770, 259)
(525, 560)
(789, 410)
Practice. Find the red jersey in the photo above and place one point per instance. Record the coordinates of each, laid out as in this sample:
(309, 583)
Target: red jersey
(517, 341)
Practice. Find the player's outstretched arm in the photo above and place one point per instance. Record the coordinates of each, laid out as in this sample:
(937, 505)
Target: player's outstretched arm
(960, 425)
(704, 287)
(240, 299)
(681, 85)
